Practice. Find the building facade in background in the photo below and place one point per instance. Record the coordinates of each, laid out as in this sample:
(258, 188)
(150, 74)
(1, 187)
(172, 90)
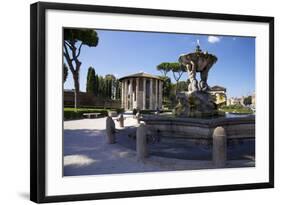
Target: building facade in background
(219, 93)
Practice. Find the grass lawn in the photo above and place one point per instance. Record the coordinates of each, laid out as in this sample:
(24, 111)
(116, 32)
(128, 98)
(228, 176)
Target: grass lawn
(236, 109)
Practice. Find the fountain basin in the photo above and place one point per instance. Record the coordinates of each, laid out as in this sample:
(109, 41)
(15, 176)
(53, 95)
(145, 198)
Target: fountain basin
(198, 128)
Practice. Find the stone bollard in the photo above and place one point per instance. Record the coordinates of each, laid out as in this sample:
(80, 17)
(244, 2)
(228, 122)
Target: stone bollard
(121, 120)
(219, 147)
(142, 149)
(110, 130)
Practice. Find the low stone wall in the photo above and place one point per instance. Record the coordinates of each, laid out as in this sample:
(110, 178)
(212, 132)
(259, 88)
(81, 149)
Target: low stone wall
(194, 128)
(217, 130)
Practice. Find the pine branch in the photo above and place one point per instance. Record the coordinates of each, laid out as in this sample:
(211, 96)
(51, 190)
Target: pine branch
(79, 50)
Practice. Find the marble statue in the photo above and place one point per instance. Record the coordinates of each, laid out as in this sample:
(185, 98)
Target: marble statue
(197, 102)
(198, 62)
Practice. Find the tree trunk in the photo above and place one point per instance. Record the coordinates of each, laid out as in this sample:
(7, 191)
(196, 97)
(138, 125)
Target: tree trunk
(77, 89)
(75, 72)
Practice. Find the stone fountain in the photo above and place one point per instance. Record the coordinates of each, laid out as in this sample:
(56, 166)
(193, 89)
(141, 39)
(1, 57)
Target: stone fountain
(196, 114)
(197, 101)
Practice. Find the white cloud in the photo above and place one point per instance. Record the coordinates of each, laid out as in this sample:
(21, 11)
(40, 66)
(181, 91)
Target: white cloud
(213, 39)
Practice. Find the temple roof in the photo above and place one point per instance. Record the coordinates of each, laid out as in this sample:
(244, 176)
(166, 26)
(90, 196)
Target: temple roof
(140, 75)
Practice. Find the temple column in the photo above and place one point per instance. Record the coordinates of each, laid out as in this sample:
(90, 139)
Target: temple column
(160, 94)
(137, 91)
(126, 95)
(122, 94)
(156, 94)
(144, 94)
(151, 95)
(131, 94)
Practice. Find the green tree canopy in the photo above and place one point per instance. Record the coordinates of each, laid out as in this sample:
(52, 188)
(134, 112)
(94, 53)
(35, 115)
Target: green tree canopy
(175, 67)
(101, 88)
(248, 100)
(87, 37)
(118, 90)
(164, 68)
(110, 81)
(177, 70)
(167, 86)
(91, 77)
(110, 77)
(96, 85)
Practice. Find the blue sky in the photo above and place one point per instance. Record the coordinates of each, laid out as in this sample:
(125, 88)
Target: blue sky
(124, 52)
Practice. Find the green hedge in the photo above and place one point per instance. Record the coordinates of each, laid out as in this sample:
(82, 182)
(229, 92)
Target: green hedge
(118, 110)
(91, 107)
(71, 113)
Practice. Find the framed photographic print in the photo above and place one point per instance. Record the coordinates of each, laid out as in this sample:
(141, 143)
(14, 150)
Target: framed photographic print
(129, 102)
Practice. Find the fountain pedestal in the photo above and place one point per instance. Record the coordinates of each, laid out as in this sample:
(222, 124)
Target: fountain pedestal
(195, 104)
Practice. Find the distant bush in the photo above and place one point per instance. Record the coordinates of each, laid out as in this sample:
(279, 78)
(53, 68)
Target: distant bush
(119, 110)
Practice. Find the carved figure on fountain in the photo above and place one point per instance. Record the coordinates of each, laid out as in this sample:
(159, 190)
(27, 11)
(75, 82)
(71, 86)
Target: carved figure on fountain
(201, 62)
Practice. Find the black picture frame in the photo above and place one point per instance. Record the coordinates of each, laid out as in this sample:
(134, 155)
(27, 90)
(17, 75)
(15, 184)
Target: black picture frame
(38, 101)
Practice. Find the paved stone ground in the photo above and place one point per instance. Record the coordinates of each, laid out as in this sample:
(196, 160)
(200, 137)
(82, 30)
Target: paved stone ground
(86, 153)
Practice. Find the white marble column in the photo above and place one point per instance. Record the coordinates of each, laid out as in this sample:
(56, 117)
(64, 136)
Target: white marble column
(137, 92)
(144, 94)
(151, 95)
(126, 94)
(122, 94)
(156, 94)
(160, 94)
(131, 94)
